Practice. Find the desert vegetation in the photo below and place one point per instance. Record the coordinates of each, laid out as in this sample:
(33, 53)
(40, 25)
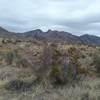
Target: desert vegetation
(30, 70)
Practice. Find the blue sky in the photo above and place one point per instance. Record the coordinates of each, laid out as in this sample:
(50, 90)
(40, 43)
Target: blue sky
(75, 16)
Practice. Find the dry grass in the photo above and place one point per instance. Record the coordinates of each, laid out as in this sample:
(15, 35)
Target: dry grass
(86, 89)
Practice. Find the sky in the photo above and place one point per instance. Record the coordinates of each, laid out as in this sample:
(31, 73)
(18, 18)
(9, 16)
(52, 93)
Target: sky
(75, 16)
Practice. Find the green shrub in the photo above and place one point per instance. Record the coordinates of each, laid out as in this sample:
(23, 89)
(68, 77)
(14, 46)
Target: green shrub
(10, 56)
(55, 75)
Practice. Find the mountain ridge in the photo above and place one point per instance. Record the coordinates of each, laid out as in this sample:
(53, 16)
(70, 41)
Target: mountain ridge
(52, 35)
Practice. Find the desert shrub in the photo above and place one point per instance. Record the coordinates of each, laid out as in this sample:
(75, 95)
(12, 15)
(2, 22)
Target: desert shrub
(69, 73)
(18, 40)
(16, 85)
(85, 96)
(56, 73)
(10, 56)
(83, 70)
(22, 62)
(45, 62)
(58, 66)
(56, 55)
(83, 56)
(3, 40)
(51, 64)
(1, 57)
(96, 62)
(74, 55)
(98, 98)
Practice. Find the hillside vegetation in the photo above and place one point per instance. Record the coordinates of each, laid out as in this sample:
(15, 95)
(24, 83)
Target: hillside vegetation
(34, 70)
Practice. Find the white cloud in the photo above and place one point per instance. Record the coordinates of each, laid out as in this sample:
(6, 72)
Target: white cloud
(76, 16)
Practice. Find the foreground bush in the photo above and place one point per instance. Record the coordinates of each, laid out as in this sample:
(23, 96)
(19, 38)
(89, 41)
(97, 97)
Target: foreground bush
(52, 65)
(60, 67)
(55, 75)
(57, 72)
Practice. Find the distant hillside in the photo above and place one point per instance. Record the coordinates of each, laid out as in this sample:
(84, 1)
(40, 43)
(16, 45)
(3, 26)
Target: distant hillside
(58, 36)
(6, 34)
(90, 39)
(53, 36)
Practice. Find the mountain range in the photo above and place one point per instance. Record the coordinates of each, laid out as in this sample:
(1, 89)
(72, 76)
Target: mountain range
(52, 36)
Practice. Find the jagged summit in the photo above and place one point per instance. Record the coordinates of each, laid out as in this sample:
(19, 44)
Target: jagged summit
(53, 36)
